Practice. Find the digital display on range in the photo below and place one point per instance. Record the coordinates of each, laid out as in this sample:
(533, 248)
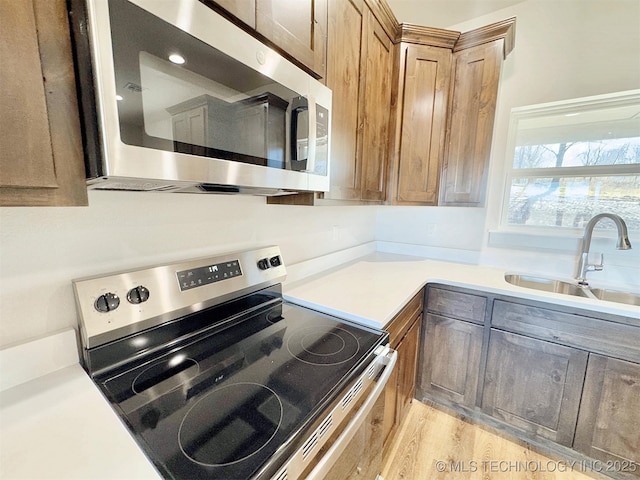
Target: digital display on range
(197, 277)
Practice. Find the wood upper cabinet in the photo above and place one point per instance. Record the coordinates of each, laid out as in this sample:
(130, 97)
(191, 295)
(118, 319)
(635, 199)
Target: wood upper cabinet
(375, 102)
(477, 62)
(359, 74)
(41, 156)
(297, 27)
(609, 420)
(534, 385)
(344, 44)
(473, 105)
(444, 102)
(419, 100)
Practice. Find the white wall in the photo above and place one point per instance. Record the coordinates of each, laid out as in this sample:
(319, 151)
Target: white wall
(563, 49)
(43, 249)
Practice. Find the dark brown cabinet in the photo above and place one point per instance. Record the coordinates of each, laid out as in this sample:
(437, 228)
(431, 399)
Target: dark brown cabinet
(563, 377)
(404, 333)
(609, 420)
(534, 385)
(41, 156)
(451, 367)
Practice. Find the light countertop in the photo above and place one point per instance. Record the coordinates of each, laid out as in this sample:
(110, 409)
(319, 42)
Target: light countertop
(56, 424)
(373, 288)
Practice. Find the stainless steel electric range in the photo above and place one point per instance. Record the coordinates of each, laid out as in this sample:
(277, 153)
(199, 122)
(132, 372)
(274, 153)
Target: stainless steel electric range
(217, 377)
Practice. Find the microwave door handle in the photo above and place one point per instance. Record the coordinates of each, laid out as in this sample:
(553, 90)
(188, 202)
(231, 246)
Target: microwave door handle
(299, 105)
(311, 155)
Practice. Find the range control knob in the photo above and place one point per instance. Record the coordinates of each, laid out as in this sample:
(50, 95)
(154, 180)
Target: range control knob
(275, 261)
(107, 302)
(139, 294)
(263, 263)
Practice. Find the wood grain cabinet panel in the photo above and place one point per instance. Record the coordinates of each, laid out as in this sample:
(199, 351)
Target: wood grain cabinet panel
(359, 72)
(534, 385)
(404, 336)
(425, 73)
(41, 156)
(609, 420)
(375, 104)
(450, 365)
(344, 43)
(464, 306)
(299, 27)
(470, 124)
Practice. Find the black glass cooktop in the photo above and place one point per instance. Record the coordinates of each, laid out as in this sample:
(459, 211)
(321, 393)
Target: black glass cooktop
(226, 405)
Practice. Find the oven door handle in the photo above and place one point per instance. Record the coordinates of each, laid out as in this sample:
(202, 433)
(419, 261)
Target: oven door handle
(328, 459)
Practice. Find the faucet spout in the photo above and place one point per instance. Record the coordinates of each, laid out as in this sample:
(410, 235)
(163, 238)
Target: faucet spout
(623, 244)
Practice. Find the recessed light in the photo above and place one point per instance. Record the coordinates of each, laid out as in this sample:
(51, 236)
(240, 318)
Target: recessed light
(177, 58)
(571, 114)
(119, 98)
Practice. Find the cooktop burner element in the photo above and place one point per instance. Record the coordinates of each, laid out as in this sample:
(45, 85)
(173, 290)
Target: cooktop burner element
(230, 424)
(319, 346)
(221, 380)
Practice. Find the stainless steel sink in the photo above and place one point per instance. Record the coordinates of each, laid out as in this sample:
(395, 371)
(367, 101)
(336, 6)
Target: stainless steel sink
(558, 286)
(616, 296)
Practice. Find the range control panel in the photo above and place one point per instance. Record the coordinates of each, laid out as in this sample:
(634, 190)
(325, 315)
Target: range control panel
(197, 277)
(119, 304)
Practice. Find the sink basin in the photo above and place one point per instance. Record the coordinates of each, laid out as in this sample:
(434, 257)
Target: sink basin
(567, 288)
(616, 296)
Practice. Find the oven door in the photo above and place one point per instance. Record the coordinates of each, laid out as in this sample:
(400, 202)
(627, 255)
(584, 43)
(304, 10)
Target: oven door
(185, 98)
(348, 440)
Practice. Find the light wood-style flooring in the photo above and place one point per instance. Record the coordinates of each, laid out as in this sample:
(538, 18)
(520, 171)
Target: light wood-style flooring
(432, 444)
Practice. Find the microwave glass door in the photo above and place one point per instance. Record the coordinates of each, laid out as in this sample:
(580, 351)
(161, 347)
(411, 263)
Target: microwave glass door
(179, 94)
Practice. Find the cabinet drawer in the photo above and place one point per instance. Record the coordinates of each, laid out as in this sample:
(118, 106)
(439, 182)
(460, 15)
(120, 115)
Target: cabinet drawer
(463, 306)
(600, 336)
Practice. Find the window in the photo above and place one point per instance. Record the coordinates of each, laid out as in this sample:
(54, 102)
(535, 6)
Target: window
(572, 160)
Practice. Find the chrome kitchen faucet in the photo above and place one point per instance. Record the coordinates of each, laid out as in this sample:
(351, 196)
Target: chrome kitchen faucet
(623, 244)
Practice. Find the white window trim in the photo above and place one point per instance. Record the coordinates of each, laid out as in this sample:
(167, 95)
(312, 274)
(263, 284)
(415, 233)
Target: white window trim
(538, 236)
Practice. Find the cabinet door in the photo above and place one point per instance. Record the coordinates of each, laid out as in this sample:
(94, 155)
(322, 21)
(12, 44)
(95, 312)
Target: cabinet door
(244, 10)
(534, 385)
(299, 27)
(609, 419)
(407, 366)
(343, 78)
(470, 129)
(425, 89)
(375, 106)
(451, 360)
(41, 157)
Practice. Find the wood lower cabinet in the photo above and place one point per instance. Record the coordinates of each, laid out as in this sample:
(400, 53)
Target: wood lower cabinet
(565, 378)
(534, 385)
(451, 359)
(404, 335)
(609, 420)
(41, 155)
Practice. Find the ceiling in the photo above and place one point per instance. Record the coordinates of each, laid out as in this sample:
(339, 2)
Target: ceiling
(445, 13)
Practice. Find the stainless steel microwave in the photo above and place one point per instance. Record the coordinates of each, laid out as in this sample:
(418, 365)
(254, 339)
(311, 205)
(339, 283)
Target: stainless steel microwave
(177, 98)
